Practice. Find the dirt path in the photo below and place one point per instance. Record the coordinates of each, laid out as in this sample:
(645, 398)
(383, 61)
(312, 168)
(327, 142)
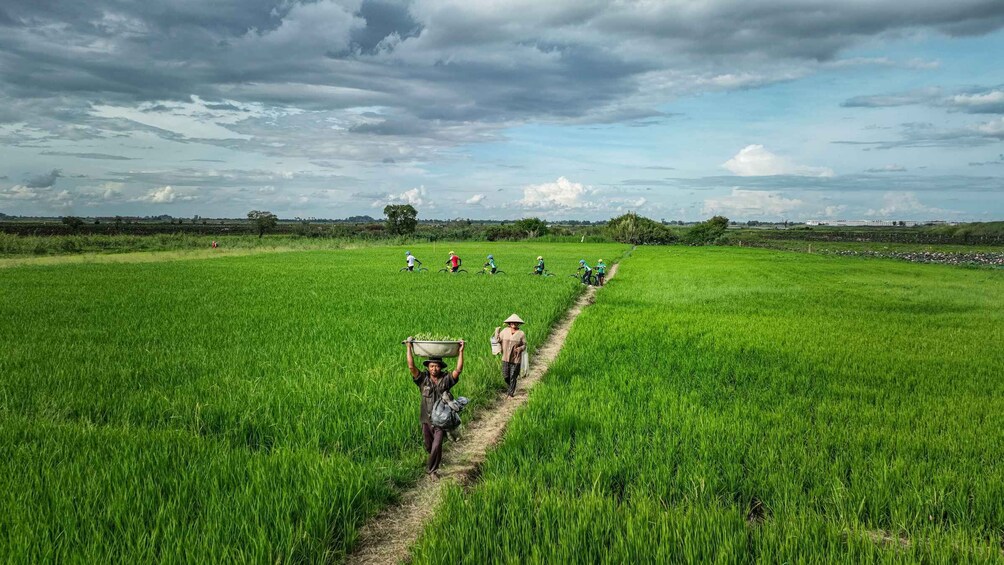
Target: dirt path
(387, 538)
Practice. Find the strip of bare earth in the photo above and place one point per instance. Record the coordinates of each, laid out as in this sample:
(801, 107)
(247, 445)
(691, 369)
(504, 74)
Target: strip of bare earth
(387, 538)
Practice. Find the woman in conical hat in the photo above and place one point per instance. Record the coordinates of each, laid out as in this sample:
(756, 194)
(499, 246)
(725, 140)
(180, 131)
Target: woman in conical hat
(513, 344)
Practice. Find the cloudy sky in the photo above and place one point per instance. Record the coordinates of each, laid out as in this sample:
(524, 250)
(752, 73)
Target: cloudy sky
(774, 109)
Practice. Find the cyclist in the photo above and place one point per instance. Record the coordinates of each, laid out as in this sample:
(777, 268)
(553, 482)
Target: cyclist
(601, 272)
(587, 272)
(490, 264)
(454, 262)
(539, 269)
(411, 259)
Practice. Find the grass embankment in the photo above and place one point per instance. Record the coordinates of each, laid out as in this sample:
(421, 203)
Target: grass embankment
(13, 246)
(251, 409)
(743, 406)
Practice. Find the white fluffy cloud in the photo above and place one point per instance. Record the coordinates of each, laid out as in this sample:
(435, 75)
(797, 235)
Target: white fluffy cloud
(833, 211)
(164, 195)
(902, 204)
(751, 204)
(993, 128)
(561, 193)
(417, 196)
(476, 199)
(19, 192)
(979, 101)
(757, 161)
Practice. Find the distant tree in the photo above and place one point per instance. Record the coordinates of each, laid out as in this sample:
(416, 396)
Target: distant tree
(401, 218)
(721, 222)
(263, 221)
(638, 230)
(707, 231)
(531, 227)
(73, 221)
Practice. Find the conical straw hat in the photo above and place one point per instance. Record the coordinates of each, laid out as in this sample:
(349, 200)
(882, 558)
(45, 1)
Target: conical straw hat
(514, 318)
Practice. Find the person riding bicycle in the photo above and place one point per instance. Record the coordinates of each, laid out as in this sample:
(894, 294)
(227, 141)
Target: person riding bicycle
(411, 259)
(601, 272)
(539, 269)
(491, 264)
(587, 272)
(454, 262)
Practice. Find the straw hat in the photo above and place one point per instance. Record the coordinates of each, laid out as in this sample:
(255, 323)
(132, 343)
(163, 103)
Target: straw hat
(437, 360)
(513, 318)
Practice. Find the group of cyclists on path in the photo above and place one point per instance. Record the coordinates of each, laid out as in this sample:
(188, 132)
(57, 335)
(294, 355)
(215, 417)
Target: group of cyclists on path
(585, 273)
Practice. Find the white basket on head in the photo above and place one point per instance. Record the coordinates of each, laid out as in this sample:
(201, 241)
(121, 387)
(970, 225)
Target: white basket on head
(436, 348)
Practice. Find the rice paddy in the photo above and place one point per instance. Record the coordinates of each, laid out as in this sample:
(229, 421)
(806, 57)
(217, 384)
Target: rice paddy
(249, 408)
(742, 406)
(714, 404)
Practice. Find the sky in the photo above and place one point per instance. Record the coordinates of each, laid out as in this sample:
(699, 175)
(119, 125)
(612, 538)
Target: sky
(568, 109)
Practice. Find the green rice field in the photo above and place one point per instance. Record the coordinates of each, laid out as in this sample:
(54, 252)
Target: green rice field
(726, 405)
(743, 406)
(252, 409)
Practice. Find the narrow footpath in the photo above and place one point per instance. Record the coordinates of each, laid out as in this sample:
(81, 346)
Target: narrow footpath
(387, 538)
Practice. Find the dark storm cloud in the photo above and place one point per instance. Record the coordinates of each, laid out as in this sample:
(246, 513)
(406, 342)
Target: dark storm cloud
(443, 72)
(383, 19)
(45, 180)
(230, 107)
(6, 20)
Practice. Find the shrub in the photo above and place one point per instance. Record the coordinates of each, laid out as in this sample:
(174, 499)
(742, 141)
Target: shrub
(638, 230)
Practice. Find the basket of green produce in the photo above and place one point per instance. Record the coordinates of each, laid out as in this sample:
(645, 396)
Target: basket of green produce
(440, 347)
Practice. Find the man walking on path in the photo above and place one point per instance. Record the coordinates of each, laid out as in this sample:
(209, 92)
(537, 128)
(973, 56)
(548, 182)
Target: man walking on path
(433, 382)
(513, 344)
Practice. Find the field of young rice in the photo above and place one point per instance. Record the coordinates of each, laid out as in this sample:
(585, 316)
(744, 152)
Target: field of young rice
(252, 408)
(744, 405)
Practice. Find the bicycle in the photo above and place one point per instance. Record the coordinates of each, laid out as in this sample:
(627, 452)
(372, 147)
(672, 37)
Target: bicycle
(546, 273)
(447, 270)
(415, 270)
(488, 271)
(588, 280)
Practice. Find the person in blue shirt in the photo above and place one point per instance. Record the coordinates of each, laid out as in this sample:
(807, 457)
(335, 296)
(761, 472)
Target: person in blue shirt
(587, 272)
(491, 263)
(601, 272)
(539, 269)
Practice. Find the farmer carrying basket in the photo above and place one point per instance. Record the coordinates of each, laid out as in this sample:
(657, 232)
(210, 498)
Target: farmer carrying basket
(433, 382)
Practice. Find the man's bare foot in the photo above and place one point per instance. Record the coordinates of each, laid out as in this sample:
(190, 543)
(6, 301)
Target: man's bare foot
(433, 476)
